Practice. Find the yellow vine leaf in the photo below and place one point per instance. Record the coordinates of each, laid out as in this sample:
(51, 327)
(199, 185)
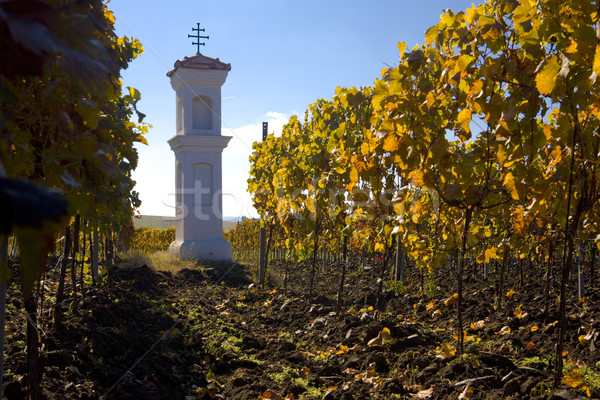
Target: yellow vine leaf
(490, 254)
(480, 258)
(387, 231)
(464, 61)
(446, 351)
(416, 178)
(501, 155)
(596, 66)
(391, 143)
(476, 89)
(510, 293)
(547, 132)
(472, 15)
(535, 328)
(464, 119)
(399, 207)
(109, 16)
(572, 48)
(353, 174)
(488, 231)
(310, 204)
(518, 221)
(556, 155)
(509, 182)
(391, 106)
(430, 99)
(546, 79)
(574, 378)
(431, 34)
(401, 48)
(415, 210)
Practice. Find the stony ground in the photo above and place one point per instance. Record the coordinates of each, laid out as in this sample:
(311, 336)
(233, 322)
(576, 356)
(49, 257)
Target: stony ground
(209, 333)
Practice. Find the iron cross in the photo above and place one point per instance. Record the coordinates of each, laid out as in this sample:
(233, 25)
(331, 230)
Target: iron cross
(198, 37)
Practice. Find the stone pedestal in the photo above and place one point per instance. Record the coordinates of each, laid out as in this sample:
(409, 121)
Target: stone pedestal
(198, 146)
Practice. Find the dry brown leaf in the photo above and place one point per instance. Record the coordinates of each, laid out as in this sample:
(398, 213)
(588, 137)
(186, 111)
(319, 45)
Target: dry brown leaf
(504, 331)
(382, 338)
(271, 395)
(477, 325)
(466, 394)
(350, 371)
(423, 394)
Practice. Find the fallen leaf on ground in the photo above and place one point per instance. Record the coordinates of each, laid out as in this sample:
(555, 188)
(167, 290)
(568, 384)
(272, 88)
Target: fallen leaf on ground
(504, 331)
(382, 338)
(466, 394)
(445, 351)
(423, 394)
(451, 300)
(574, 378)
(477, 325)
(271, 395)
(342, 349)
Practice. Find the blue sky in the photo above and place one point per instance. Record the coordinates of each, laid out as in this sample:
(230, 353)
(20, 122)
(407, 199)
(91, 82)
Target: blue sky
(284, 55)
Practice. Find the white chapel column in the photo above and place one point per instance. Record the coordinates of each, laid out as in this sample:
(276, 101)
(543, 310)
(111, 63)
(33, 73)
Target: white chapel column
(198, 146)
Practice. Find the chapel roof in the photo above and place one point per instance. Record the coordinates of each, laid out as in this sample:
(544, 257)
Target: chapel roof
(200, 62)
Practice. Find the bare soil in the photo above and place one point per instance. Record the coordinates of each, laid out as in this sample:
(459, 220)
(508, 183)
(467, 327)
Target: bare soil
(210, 333)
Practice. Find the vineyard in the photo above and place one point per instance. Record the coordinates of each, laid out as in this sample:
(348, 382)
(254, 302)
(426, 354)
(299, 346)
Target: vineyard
(481, 146)
(432, 236)
(156, 328)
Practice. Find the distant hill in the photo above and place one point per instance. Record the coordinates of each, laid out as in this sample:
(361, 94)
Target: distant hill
(156, 221)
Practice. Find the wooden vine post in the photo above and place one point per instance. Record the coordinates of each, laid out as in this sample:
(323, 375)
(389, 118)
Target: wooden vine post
(262, 264)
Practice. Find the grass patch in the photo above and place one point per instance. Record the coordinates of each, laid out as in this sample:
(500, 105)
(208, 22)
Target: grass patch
(158, 261)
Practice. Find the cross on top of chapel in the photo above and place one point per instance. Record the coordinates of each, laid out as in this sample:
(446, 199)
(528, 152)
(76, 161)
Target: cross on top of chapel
(197, 36)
